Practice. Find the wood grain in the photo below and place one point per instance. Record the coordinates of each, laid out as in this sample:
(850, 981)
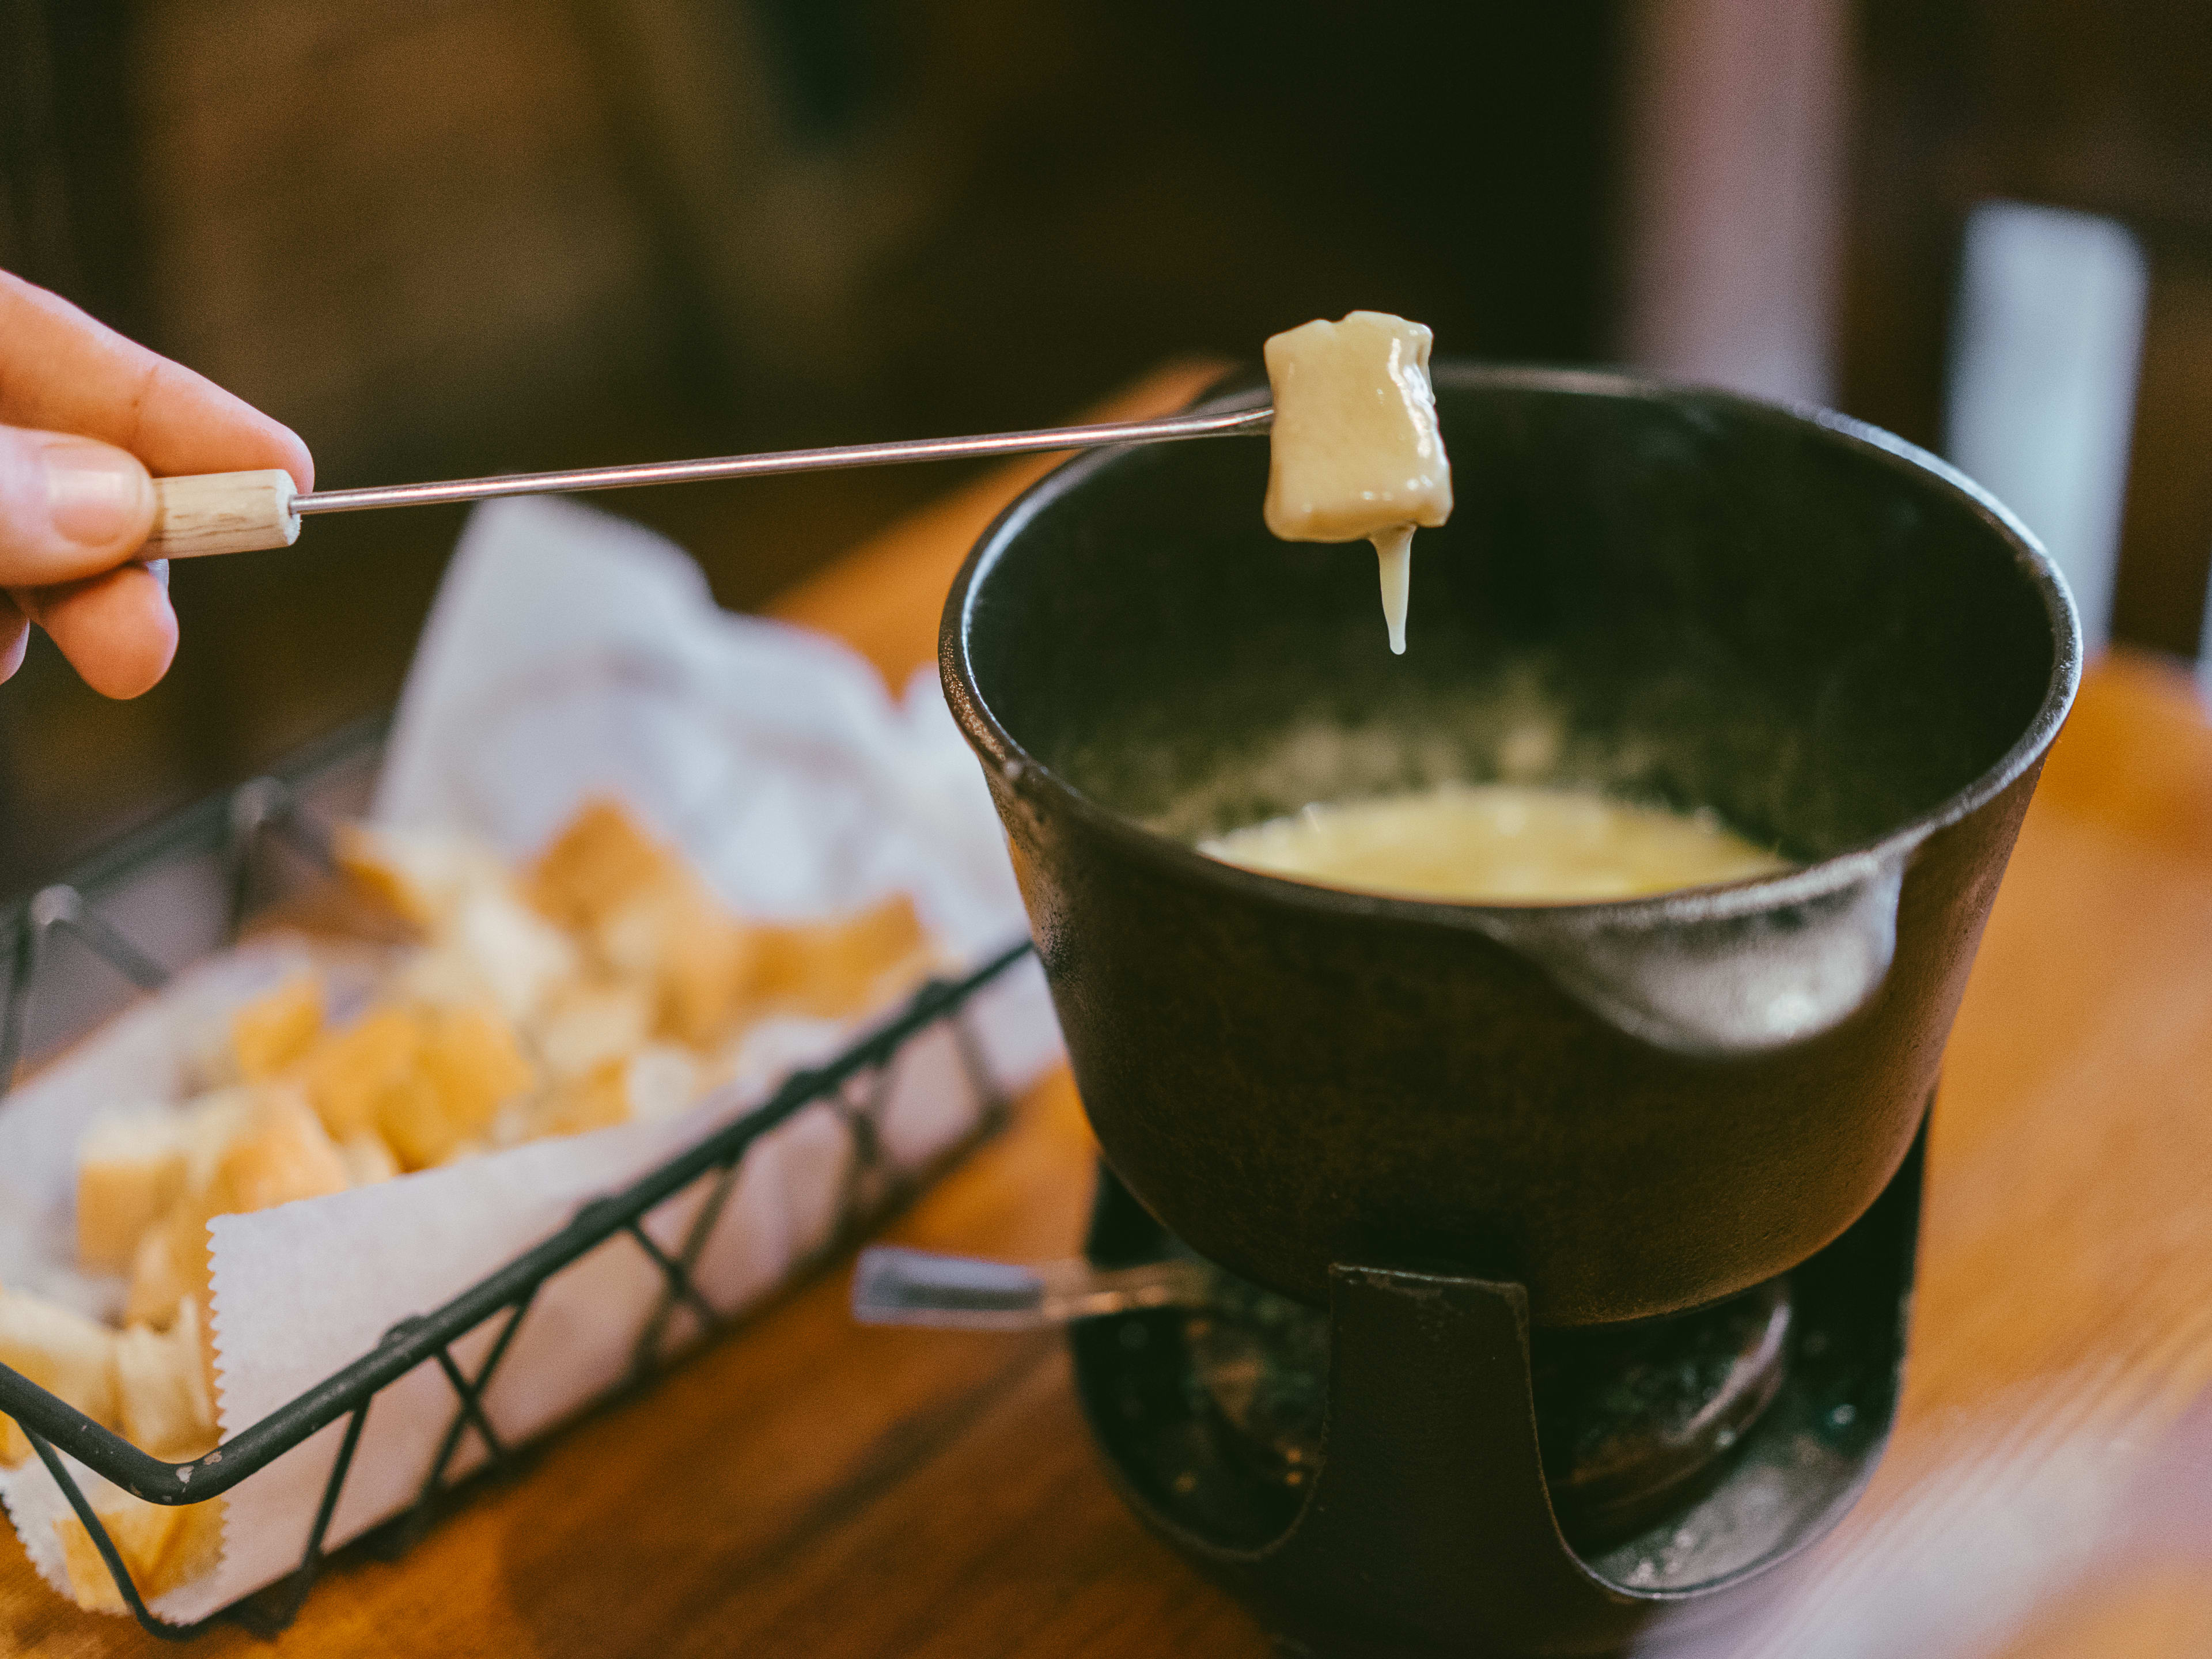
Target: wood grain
(221, 513)
(808, 1486)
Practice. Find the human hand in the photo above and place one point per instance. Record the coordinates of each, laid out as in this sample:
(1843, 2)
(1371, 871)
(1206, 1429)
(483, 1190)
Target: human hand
(84, 414)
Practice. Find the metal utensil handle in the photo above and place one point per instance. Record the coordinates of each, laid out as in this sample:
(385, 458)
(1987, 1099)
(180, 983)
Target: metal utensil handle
(237, 512)
(892, 1286)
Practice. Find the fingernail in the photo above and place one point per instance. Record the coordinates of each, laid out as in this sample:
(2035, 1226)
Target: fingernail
(95, 494)
(158, 570)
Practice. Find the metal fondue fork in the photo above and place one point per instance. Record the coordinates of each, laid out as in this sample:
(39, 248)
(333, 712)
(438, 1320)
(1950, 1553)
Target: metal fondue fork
(895, 1286)
(239, 512)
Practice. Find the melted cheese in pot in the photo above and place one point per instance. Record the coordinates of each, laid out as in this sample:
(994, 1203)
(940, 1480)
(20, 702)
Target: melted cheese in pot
(1498, 843)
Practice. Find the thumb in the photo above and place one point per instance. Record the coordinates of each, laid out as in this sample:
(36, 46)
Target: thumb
(69, 507)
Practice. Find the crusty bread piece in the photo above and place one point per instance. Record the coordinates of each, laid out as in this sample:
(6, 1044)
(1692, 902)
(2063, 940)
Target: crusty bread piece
(63, 1352)
(602, 857)
(698, 959)
(598, 1099)
(368, 1159)
(212, 1123)
(833, 968)
(285, 1154)
(159, 1278)
(162, 1394)
(488, 942)
(467, 1066)
(280, 1154)
(160, 1272)
(130, 1168)
(662, 1080)
(590, 1022)
(656, 1080)
(494, 948)
(275, 1029)
(164, 1548)
(141, 1533)
(195, 1550)
(646, 918)
(348, 1072)
(420, 1079)
(421, 875)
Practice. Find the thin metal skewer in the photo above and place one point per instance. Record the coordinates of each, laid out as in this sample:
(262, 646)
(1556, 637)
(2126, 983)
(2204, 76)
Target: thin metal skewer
(896, 1286)
(1171, 430)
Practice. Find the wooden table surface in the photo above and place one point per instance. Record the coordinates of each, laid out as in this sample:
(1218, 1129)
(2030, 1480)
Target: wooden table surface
(807, 1486)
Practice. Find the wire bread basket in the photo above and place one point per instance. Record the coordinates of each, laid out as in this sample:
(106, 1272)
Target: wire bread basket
(81, 950)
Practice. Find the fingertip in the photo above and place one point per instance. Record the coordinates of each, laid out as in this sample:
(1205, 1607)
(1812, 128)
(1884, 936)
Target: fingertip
(68, 373)
(15, 638)
(69, 506)
(118, 631)
(189, 424)
(136, 663)
(100, 498)
(299, 461)
(157, 644)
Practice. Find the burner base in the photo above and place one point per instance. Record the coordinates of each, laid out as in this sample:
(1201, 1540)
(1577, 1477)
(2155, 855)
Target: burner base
(1419, 1519)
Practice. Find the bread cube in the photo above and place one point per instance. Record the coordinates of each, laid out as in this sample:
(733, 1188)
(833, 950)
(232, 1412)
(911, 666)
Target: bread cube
(130, 1168)
(368, 1159)
(467, 1066)
(647, 919)
(165, 1548)
(698, 959)
(832, 969)
(281, 1152)
(598, 1099)
(1355, 448)
(273, 1030)
(348, 1072)
(421, 875)
(285, 1154)
(602, 857)
(162, 1392)
(592, 1021)
(658, 1081)
(160, 1277)
(65, 1353)
(518, 958)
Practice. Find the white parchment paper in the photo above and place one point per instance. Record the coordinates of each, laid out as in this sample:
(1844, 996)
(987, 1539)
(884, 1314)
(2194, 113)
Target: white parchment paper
(569, 653)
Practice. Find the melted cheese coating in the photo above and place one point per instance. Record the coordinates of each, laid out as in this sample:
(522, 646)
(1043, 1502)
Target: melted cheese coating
(1355, 453)
(1498, 843)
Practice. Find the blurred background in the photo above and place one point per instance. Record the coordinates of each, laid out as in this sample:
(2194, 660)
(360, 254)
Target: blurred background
(444, 237)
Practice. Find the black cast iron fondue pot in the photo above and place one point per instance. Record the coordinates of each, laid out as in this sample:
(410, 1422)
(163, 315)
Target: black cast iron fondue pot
(1825, 637)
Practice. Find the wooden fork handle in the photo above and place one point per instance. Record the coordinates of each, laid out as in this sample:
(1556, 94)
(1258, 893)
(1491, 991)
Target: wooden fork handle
(222, 513)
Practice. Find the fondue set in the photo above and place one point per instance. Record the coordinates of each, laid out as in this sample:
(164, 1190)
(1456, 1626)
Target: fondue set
(1555, 1259)
(1511, 1052)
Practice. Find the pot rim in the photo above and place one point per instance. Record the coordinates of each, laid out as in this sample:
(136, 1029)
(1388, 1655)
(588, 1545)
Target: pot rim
(1821, 878)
